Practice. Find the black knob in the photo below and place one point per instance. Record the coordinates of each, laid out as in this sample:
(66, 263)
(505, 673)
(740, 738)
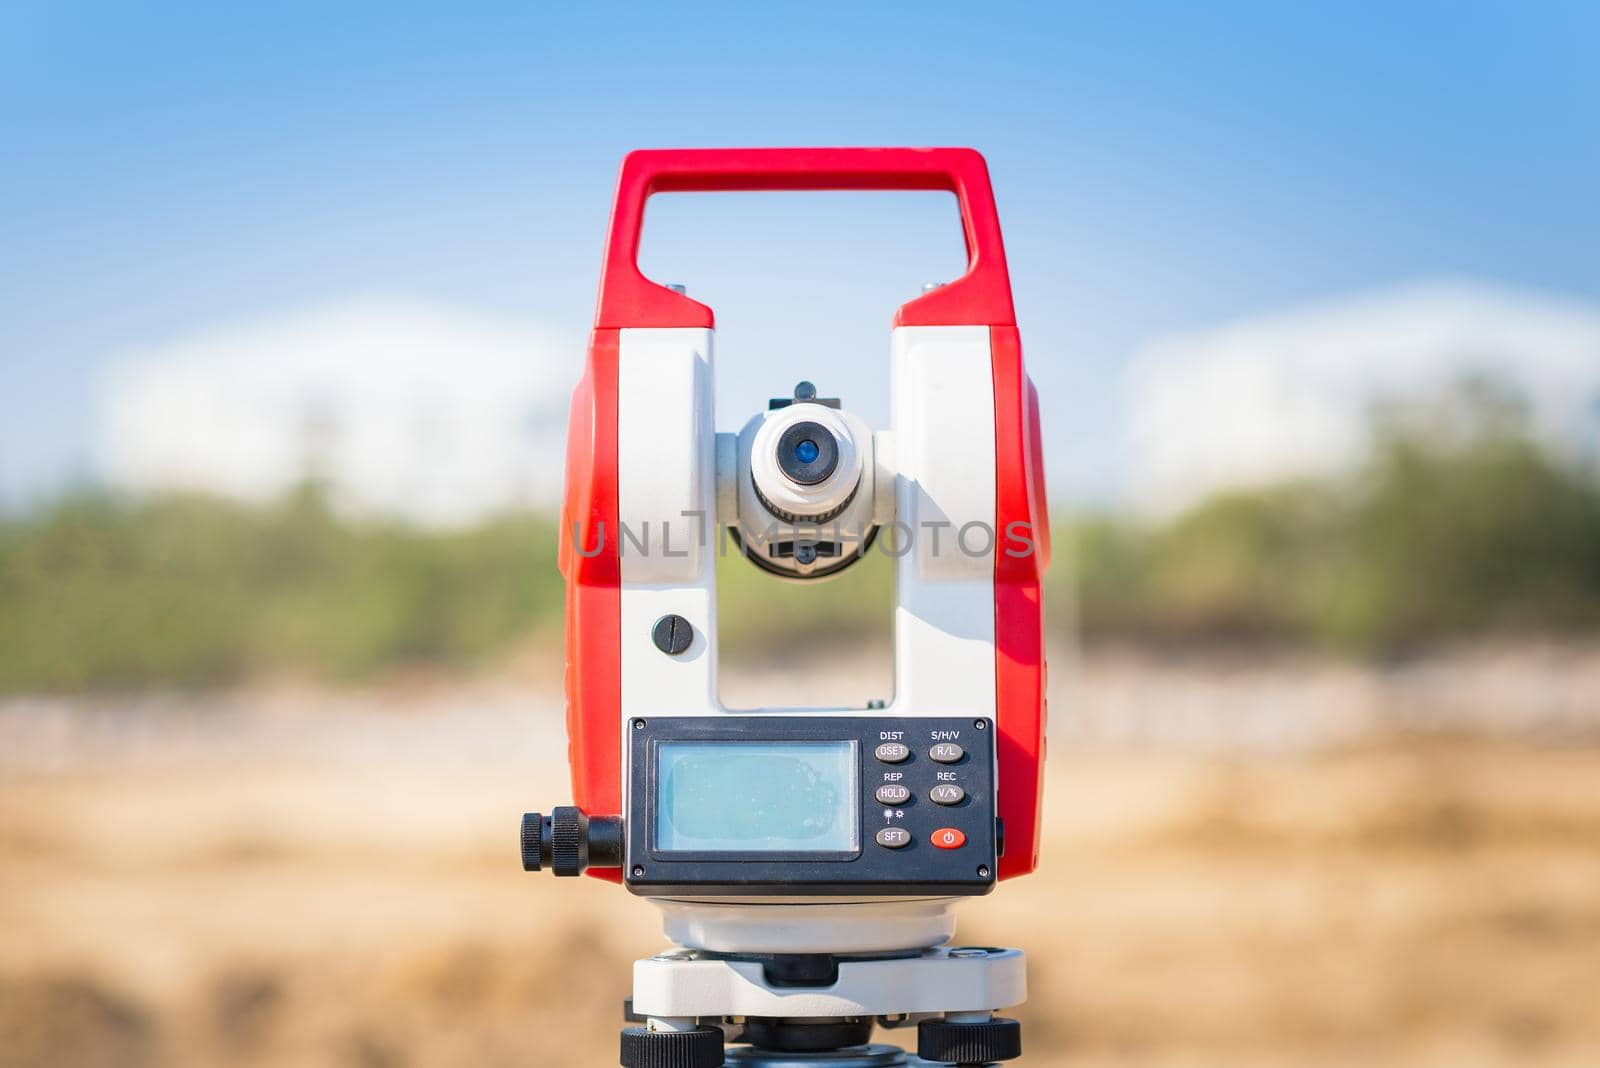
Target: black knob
(672, 634)
(971, 1042)
(532, 832)
(698, 1048)
(567, 841)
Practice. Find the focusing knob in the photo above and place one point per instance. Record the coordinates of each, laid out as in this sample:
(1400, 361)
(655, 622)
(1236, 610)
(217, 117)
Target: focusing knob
(698, 1048)
(972, 1042)
(567, 841)
(532, 831)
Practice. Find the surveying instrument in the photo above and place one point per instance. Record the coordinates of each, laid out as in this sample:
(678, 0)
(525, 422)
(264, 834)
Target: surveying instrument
(806, 861)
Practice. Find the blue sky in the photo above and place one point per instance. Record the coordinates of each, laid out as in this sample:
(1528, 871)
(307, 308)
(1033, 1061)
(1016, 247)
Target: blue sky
(1159, 167)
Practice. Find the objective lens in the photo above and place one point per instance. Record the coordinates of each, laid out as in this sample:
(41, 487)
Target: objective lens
(807, 453)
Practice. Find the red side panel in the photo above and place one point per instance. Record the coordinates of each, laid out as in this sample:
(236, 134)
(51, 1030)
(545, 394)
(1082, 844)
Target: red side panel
(1022, 523)
(589, 560)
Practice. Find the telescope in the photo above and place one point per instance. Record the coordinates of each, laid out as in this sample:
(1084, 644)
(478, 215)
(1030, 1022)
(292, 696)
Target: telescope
(807, 862)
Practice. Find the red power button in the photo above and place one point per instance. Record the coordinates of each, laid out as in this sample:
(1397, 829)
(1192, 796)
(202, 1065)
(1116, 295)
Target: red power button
(948, 838)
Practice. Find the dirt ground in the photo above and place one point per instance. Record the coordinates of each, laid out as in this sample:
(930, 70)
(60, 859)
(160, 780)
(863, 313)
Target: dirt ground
(1261, 863)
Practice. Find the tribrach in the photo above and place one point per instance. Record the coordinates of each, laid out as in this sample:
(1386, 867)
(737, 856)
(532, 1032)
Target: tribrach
(806, 861)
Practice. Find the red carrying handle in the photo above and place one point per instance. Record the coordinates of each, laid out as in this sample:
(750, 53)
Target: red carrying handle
(981, 297)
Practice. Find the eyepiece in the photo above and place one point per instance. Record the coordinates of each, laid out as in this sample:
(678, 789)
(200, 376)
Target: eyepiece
(805, 487)
(804, 463)
(807, 453)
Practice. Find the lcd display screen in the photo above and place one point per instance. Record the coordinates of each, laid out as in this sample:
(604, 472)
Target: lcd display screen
(756, 797)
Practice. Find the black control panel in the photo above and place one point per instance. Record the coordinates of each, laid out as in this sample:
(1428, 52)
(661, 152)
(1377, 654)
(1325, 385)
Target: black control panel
(810, 805)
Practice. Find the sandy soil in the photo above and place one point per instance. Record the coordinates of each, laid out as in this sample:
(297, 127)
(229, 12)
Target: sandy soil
(1280, 863)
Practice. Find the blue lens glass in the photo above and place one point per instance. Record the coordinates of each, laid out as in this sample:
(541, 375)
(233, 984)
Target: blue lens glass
(806, 451)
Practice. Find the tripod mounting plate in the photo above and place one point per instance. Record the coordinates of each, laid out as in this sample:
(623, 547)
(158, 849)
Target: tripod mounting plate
(691, 983)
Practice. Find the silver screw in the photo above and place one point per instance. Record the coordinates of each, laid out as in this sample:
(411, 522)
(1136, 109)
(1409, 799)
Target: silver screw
(675, 954)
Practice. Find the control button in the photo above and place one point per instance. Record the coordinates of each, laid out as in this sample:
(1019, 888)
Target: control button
(948, 838)
(947, 752)
(947, 793)
(893, 837)
(892, 752)
(893, 793)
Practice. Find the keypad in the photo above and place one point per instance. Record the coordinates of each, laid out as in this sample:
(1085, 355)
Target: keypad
(929, 793)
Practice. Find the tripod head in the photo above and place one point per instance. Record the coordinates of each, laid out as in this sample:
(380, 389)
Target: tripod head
(822, 833)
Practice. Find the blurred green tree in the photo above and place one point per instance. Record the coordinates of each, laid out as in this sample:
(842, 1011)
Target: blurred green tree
(1459, 522)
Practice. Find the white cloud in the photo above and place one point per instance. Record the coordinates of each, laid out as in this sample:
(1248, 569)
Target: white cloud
(442, 415)
(412, 409)
(1253, 401)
